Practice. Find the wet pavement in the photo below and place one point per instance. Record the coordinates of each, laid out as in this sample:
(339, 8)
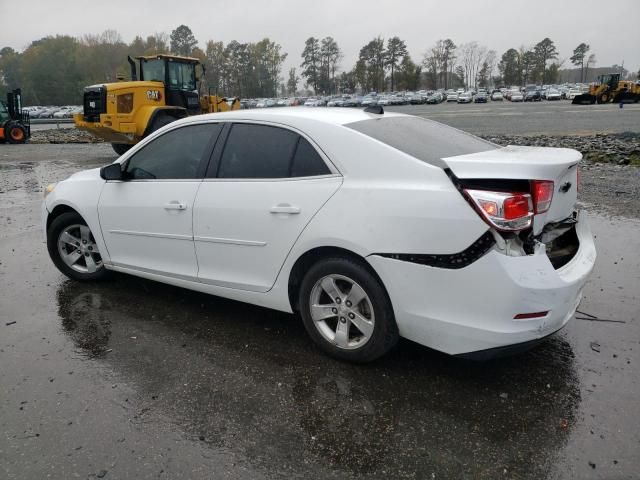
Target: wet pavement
(135, 379)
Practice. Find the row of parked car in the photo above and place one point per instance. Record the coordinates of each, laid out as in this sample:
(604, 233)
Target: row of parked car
(530, 93)
(52, 112)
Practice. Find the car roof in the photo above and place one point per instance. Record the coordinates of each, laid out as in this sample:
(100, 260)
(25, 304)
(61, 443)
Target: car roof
(291, 115)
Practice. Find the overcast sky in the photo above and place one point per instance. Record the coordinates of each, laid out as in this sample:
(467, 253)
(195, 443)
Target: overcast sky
(613, 33)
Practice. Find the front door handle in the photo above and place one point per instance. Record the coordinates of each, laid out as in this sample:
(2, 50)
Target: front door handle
(175, 205)
(285, 208)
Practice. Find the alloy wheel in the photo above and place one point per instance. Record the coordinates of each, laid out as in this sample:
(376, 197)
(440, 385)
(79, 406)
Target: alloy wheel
(342, 311)
(78, 249)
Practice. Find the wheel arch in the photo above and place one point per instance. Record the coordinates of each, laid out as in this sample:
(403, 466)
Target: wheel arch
(313, 256)
(59, 210)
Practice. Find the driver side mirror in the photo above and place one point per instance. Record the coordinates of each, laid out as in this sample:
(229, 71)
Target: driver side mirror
(112, 172)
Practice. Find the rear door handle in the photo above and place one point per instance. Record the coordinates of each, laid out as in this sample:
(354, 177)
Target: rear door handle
(285, 208)
(175, 205)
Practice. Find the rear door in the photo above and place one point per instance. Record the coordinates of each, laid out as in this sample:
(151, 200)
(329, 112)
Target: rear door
(265, 185)
(146, 219)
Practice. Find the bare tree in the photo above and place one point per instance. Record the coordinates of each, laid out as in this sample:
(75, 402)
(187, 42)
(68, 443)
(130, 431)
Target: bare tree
(590, 61)
(472, 56)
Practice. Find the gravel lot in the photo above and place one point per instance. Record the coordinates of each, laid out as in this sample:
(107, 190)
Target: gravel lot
(134, 379)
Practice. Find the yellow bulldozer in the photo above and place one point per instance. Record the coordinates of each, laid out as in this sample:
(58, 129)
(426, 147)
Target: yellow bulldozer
(609, 88)
(125, 112)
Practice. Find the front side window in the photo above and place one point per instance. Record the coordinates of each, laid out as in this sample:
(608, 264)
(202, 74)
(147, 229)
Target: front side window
(175, 155)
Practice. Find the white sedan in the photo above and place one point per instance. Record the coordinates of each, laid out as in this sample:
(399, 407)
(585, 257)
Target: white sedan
(370, 225)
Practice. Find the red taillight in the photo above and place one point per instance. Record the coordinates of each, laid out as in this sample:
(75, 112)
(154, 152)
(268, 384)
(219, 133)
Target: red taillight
(516, 206)
(506, 211)
(542, 193)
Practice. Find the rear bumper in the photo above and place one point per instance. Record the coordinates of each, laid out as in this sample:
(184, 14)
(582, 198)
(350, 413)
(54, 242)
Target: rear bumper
(473, 308)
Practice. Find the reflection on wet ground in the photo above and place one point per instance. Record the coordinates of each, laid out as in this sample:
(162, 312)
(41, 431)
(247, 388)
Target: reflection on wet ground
(135, 379)
(248, 379)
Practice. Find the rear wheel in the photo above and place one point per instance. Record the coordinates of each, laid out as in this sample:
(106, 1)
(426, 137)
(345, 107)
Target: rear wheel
(346, 310)
(604, 98)
(15, 133)
(73, 248)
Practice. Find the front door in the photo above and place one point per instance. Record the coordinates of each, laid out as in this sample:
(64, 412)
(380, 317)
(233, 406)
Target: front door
(146, 219)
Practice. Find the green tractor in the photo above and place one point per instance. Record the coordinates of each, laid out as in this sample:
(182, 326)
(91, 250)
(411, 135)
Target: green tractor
(15, 126)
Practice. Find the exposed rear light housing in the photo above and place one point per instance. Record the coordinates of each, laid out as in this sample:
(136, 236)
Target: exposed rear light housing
(542, 194)
(510, 212)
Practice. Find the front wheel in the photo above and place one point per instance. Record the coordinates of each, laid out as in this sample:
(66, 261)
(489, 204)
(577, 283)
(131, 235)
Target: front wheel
(73, 248)
(15, 133)
(347, 311)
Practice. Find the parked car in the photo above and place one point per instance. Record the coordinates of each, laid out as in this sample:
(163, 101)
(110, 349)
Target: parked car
(465, 97)
(496, 96)
(352, 101)
(532, 96)
(384, 100)
(416, 99)
(573, 92)
(480, 97)
(369, 100)
(435, 98)
(265, 103)
(452, 97)
(489, 229)
(515, 96)
(553, 94)
(314, 102)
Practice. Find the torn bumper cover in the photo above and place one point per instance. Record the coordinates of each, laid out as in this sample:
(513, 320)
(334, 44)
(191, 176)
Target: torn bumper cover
(471, 309)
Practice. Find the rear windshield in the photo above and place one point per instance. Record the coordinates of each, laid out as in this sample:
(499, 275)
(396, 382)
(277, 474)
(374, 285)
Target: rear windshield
(423, 139)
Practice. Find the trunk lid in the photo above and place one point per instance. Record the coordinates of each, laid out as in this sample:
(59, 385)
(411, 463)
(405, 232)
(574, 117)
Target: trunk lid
(526, 163)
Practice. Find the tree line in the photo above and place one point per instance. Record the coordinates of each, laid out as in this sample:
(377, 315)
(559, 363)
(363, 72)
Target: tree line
(54, 70)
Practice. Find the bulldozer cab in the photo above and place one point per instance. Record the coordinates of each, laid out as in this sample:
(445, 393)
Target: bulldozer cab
(610, 79)
(179, 77)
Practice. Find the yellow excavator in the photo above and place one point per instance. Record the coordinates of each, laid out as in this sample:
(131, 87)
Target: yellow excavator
(125, 112)
(610, 88)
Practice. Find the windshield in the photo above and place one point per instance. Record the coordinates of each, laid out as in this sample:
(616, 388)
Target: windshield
(182, 76)
(153, 70)
(423, 139)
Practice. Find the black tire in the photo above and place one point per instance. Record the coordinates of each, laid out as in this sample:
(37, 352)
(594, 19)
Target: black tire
(58, 225)
(15, 132)
(121, 148)
(385, 330)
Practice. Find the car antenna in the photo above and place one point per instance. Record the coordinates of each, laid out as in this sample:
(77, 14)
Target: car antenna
(377, 109)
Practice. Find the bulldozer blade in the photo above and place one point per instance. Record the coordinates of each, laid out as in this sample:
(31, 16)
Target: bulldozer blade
(626, 97)
(584, 99)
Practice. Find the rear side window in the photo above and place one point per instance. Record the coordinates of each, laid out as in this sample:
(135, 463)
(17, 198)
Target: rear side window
(421, 138)
(261, 151)
(175, 155)
(307, 162)
(257, 151)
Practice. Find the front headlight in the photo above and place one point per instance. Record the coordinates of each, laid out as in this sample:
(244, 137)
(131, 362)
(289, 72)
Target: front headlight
(49, 188)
